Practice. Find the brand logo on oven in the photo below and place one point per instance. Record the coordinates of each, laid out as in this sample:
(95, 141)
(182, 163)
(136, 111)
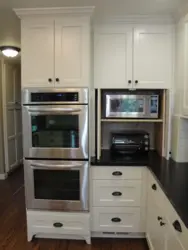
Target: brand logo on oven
(128, 141)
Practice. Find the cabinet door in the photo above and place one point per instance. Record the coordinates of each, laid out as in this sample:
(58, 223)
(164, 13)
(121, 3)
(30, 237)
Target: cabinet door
(72, 53)
(113, 57)
(152, 57)
(184, 71)
(172, 242)
(155, 233)
(38, 53)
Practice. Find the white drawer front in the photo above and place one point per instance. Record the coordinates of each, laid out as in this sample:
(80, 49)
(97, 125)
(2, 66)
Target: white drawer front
(116, 219)
(58, 223)
(116, 193)
(116, 173)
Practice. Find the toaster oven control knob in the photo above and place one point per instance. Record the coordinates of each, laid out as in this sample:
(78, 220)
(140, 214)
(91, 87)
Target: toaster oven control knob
(146, 142)
(146, 148)
(146, 136)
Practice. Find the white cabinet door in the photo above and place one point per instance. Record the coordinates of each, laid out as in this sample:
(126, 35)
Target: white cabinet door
(172, 242)
(113, 57)
(38, 53)
(185, 71)
(155, 233)
(152, 57)
(72, 53)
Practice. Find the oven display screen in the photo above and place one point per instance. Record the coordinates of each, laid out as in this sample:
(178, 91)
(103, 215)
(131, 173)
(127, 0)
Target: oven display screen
(54, 97)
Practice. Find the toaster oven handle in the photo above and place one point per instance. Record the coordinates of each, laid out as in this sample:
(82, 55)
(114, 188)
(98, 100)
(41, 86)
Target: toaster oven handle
(66, 110)
(52, 166)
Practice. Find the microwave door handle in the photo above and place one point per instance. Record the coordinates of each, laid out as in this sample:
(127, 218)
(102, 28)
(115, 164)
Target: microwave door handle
(65, 110)
(54, 167)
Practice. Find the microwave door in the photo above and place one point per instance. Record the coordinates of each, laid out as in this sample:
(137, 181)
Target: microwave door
(56, 132)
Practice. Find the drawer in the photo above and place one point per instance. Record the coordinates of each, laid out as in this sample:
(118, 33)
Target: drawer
(58, 223)
(116, 219)
(116, 193)
(116, 173)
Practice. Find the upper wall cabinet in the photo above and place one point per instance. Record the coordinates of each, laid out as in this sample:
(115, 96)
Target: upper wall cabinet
(55, 47)
(133, 57)
(113, 57)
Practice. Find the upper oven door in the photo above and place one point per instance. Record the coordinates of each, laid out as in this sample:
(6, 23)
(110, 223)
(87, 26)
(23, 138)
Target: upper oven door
(125, 106)
(55, 131)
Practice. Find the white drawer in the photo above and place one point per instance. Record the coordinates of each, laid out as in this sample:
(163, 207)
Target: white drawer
(116, 173)
(58, 223)
(116, 193)
(110, 219)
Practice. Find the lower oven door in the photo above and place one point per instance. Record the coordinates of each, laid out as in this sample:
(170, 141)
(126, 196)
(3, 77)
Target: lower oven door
(56, 131)
(56, 185)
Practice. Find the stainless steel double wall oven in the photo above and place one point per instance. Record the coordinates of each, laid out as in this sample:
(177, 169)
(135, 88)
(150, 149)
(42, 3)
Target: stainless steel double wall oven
(55, 128)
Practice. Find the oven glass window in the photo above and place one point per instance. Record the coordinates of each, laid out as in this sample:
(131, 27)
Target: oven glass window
(57, 185)
(56, 131)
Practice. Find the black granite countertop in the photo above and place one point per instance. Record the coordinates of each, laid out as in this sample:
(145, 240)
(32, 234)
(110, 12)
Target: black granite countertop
(172, 176)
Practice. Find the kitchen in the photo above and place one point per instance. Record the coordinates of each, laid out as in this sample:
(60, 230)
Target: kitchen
(104, 110)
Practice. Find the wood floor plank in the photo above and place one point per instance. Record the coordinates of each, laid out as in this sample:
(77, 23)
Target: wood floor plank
(13, 235)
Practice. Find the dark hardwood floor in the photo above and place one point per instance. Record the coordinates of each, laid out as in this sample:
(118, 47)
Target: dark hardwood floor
(13, 225)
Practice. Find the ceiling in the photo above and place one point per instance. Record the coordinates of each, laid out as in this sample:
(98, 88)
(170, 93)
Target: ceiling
(10, 24)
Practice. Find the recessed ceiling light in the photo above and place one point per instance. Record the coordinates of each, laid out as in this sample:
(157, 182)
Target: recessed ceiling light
(10, 51)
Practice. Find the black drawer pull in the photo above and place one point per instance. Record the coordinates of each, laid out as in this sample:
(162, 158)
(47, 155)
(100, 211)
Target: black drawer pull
(117, 173)
(154, 187)
(58, 224)
(162, 224)
(116, 220)
(50, 79)
(117, 194)
(57, 79)
(177, 226)
(159, 218)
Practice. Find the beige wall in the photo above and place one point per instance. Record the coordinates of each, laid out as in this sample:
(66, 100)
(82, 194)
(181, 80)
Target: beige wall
(2, 161)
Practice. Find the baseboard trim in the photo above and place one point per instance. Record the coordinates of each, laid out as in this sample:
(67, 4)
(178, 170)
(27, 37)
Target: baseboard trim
(149, 242)
(3, 176)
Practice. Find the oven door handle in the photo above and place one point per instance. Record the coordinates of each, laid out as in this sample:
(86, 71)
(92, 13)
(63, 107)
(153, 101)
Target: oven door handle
(54, 167)
(65, 110)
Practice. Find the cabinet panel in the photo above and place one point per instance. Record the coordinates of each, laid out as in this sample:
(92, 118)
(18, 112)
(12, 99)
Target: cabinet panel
(71, 54)
(116, 193)
(122, 219)
(113, 58)
(153, 57)
(172, 242)
(38, 53)
(184, 72)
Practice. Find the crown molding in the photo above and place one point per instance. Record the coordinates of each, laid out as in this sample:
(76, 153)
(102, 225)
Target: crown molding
(87, 10)
(138, 19)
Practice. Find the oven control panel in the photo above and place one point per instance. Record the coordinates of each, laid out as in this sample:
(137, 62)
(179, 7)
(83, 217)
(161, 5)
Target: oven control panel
(55, 97)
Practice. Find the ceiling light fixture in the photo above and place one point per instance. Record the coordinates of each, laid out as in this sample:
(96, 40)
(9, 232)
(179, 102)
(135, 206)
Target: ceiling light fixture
(10, 51)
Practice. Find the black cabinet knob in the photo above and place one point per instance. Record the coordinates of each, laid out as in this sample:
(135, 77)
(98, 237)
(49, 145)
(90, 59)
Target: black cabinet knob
(129, 82)
(162, 224)
(117, 173)
(177, 226)
(154, 187)
(57, 79)
(58, 224)
(50, 79)
(116, 193)
(159, 218)
(116, 220)
(136, 82)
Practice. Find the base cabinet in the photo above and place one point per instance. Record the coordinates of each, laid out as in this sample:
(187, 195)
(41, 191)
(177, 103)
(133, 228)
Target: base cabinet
(50, 224)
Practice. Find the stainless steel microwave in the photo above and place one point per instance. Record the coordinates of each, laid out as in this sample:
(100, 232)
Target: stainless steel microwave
(131, 106)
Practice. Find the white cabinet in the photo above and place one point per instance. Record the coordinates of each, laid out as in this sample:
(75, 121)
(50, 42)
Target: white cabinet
(55, 48)
(38, 52)
(160, 232)
(72, 50)
(133, 57)
(113, 57)
(152, 57)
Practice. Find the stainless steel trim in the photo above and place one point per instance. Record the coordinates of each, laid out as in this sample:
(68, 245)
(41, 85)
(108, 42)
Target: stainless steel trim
(82, 92)
(46, 109)
(71, 153)
(51, 166)
(146, 107)
(56, 205)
